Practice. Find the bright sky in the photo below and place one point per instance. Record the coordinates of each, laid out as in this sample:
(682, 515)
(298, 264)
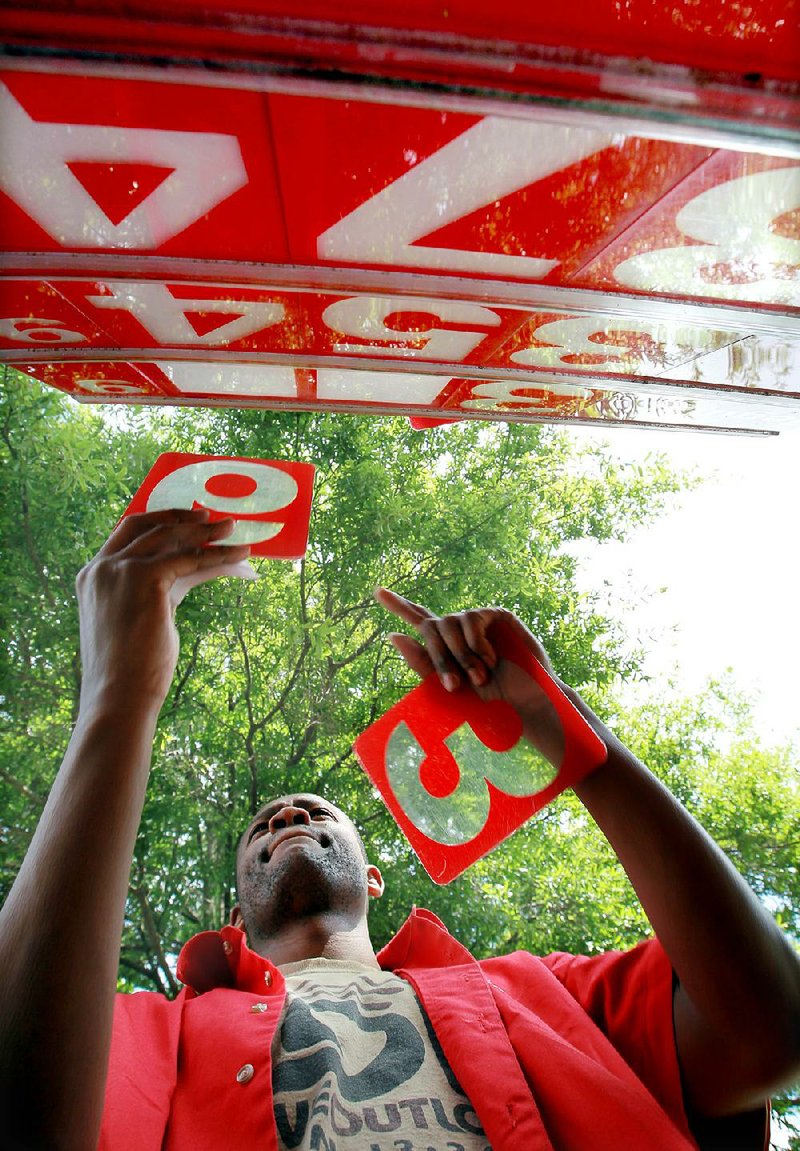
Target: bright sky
(729, 558)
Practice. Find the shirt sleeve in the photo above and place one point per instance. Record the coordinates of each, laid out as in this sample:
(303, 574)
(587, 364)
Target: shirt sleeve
(629, 995)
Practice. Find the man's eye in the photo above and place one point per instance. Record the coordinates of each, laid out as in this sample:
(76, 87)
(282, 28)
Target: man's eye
(320, 813)
(254, 832)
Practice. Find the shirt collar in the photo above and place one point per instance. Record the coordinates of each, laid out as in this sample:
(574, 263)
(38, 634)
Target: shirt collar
(423, 941)
(215, 959)
(222, 959)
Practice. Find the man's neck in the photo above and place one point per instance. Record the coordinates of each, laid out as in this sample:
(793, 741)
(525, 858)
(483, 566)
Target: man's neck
(318, 937)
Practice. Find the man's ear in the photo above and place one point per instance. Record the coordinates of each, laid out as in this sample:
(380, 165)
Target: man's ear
(235, 919)
(375, 884)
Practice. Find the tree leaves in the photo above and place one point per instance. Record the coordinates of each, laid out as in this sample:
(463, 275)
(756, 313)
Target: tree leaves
(277, 677)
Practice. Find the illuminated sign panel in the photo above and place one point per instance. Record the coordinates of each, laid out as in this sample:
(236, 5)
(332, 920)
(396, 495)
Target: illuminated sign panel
(173, 236)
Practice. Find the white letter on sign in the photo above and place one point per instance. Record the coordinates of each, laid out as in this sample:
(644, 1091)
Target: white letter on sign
(187, 487)
(487, 162)
(207, 167)
(365, 317)
(164, 316)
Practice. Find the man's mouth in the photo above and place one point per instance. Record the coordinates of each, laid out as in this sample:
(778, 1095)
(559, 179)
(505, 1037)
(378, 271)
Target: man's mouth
(282, 837)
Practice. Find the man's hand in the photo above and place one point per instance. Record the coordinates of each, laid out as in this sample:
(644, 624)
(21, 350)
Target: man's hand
(128, 594)
(459, 648)
(69, 896)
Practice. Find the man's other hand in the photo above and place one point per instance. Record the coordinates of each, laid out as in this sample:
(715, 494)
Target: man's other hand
(458, 647)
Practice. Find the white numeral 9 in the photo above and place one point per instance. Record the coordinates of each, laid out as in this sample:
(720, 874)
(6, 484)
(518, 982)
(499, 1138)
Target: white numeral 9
(27, 330)
(366, 318)
(268, 490)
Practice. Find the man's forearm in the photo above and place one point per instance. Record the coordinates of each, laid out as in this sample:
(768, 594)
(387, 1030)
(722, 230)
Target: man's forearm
(60, 933)
(61, 927)
(737, 1009)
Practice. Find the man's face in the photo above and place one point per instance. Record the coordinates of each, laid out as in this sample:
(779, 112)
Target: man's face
(301, 856)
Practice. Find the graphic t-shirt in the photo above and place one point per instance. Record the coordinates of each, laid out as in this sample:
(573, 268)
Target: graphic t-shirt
(357, 1067)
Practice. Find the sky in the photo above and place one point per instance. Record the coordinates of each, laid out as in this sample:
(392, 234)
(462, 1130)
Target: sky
(728, 557)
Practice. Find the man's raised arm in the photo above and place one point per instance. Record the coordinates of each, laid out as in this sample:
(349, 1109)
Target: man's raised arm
(737, 1003)
(61, 926)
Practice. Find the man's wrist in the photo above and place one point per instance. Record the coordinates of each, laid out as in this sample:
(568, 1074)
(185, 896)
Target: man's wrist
(115, 708)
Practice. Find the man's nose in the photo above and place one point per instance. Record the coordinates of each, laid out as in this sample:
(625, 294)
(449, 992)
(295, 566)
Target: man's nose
(287, 816)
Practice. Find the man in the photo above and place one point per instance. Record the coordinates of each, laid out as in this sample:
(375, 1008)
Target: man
(300, 1031)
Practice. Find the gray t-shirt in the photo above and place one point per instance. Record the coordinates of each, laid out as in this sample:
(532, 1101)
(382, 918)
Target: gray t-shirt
(357, 1067)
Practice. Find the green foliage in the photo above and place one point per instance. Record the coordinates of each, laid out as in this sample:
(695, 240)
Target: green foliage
(276, 678)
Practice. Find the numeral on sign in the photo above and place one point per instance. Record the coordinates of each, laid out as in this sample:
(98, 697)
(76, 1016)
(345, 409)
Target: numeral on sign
(460, 772)
(250, 491)
(461, 815)
(367, 318)
(213, 485)
(165, 316)
(623, 346)
(202, 169)
(25, 330)
(491, 160)
(552, 398)
(742, 255)
(109, 387)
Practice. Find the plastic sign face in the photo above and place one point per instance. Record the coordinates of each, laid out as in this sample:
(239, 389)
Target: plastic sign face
(270, 500)
(461, 771)
(462, 263)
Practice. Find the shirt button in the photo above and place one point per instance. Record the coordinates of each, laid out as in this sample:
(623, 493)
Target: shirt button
(259, 1008)
(245, 1073)
(227, 947)
(268, 978)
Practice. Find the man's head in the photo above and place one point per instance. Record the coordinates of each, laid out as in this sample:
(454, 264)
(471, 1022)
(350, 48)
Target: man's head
(300, 859)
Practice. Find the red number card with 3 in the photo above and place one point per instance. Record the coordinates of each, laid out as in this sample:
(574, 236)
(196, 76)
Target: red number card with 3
(461, 771)
(270, 500)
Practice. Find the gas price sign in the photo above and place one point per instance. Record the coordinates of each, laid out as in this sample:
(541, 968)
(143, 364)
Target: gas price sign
(421, 241)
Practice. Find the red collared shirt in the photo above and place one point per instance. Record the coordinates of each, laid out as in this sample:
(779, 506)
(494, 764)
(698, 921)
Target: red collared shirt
(564, 1053)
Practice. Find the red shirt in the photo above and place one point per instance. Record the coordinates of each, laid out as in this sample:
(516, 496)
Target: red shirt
(564, 1053)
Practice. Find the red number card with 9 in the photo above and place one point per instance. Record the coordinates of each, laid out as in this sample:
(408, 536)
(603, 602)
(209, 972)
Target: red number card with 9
(461, 771)
(270, 500)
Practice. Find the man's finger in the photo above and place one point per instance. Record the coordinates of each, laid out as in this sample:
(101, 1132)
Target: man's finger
(413, 613)
(133, 526)
(412, 652)
(203, 559)
(451, 629)
(476, 625)
(440, 654)
(170, 538)
(228, 567)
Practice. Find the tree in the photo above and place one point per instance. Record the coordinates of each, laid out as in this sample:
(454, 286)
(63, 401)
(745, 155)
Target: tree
(277, 678)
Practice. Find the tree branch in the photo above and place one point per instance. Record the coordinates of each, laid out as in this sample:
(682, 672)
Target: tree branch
(152, 934)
